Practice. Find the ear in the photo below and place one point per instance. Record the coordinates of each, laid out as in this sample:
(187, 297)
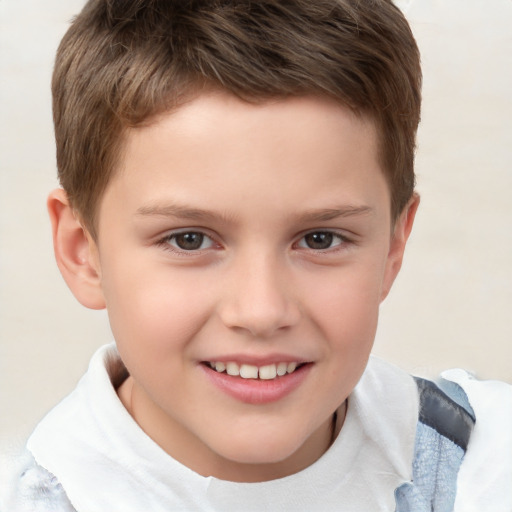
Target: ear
(401, 232)
(75, 251)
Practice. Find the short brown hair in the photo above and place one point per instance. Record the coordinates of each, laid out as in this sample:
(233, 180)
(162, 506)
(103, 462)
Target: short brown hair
(124, 61)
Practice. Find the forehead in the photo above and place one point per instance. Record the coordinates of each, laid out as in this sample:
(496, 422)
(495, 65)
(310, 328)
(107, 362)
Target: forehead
(301, 115)
(217, 149)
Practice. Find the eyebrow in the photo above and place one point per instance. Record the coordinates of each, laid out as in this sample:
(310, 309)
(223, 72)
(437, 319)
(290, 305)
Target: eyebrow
(326, 214)
(190, 213)
(177, 211)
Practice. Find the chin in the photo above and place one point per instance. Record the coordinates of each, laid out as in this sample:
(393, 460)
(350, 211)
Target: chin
(261, 450)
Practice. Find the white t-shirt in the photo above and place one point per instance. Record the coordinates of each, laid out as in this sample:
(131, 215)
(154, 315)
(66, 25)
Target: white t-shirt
(105, 462)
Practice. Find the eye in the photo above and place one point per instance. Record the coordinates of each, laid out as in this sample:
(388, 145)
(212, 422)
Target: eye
(321, 240)
(189, 241)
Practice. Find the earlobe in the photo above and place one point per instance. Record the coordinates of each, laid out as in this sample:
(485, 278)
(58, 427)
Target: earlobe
(75, 251)
(402, 230)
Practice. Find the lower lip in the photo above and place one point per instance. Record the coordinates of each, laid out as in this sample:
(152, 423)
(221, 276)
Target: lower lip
(257, 391)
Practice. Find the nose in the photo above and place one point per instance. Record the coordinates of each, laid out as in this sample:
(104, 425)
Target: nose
(259, 298)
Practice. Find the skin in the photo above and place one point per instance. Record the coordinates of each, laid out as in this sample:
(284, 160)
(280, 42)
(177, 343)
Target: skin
(255, 181)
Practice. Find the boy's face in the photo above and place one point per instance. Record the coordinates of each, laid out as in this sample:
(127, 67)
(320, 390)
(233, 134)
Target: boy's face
(250, 234)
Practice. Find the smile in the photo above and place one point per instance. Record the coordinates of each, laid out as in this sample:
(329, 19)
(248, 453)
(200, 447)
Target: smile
(257, 384)
(249, 371)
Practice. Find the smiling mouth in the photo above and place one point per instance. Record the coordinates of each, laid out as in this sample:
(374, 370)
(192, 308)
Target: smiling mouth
(249, 371)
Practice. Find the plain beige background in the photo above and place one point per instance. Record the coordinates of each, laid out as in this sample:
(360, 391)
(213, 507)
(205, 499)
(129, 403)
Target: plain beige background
(451, 305)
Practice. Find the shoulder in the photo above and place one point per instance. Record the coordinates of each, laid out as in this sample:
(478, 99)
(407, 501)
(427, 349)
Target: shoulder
(463, 449)
(58, 444)
(486, 472)
(31, 488)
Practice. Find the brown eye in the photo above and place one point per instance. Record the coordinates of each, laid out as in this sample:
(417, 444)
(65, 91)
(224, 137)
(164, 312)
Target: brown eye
(320, 240)
(190, 241)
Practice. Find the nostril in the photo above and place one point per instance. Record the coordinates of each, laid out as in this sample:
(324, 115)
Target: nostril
(257, 298)
(259, 322)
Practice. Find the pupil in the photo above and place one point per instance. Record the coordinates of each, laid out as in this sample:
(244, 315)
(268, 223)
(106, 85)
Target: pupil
(319, 240)
(189, 241)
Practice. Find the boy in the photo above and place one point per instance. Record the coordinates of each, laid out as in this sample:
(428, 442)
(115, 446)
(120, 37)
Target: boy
(238, 194)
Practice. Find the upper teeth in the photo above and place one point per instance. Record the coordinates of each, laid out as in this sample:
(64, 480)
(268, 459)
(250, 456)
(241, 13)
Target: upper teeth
(248, 371)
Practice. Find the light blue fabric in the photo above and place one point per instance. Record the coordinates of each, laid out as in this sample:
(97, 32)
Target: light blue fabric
(456, 393)
(409, 499)
(37, 490)
(436, 464)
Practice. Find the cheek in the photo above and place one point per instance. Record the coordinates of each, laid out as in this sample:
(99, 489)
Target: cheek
(347, 315)
(153, 309)
(346, 305)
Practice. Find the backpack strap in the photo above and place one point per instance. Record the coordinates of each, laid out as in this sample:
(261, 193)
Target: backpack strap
(443, 432)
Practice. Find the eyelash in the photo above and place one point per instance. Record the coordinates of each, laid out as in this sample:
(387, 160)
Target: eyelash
(165, 242)
(342, 241)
